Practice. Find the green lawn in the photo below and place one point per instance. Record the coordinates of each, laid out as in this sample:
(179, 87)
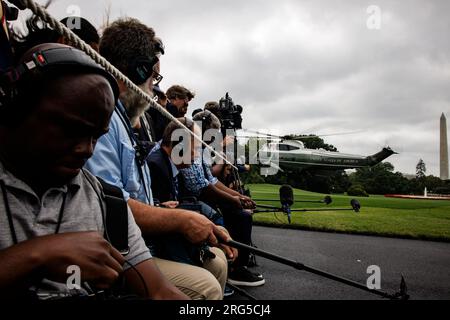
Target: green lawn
(418, 219)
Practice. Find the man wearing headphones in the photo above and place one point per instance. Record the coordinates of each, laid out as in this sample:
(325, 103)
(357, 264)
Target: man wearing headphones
(53, 107)
(120, 161)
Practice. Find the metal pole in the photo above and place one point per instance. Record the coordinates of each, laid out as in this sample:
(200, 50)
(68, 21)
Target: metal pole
(301, 266)
(322, 209)
(303, 201)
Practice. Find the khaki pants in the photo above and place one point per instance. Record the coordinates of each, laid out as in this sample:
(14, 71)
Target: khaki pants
(205, 283)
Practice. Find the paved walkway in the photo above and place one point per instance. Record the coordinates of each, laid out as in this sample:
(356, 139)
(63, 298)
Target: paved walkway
(425, 265)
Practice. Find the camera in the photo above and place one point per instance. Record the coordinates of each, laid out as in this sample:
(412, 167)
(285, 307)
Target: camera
(231, 114)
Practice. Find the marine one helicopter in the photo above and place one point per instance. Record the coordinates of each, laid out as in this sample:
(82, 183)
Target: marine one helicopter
(284, 154)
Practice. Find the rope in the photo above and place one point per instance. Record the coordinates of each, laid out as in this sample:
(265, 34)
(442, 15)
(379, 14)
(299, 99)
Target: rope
(80, 44)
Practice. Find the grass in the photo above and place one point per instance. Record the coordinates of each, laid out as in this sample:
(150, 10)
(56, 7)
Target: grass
(404, 218)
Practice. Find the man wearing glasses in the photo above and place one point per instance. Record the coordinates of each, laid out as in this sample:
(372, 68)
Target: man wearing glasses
(120, 160)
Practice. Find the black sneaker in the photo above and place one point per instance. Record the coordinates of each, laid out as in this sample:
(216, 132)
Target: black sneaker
(256, 274)
(242, 277)
(228, 292)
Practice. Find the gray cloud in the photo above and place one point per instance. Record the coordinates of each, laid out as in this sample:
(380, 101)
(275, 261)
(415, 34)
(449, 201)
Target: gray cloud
(299, 65)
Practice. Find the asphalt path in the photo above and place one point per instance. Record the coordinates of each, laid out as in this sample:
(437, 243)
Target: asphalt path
(424, 264)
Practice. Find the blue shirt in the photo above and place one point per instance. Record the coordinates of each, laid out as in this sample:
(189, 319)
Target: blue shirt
(207, 163)
(196, 178)
(114, 160)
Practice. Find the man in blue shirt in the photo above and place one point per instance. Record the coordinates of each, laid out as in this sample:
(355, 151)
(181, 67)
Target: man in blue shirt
(119, 160)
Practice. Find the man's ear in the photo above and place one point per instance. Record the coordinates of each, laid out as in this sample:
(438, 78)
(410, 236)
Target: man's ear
(62, 40)
(122, 86)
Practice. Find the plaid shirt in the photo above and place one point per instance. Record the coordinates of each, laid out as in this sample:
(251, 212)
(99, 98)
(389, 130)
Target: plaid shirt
(196, 178)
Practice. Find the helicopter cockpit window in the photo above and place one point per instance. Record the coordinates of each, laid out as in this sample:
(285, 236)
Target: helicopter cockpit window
(283, 147)
(287, 147)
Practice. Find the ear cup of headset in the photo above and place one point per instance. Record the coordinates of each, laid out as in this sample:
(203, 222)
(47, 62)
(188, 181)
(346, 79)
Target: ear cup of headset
(141, 69)
(47, 61)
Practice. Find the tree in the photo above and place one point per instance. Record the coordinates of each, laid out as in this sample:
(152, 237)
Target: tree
(380, 179)
(421, 169)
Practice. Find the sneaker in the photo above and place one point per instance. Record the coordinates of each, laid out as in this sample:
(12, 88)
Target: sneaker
(228, 292)
(256, 274)
(242, 277)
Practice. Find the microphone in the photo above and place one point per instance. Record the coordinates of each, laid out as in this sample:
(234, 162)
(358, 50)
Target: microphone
(355, 205)
(287, 199)
(286, 195)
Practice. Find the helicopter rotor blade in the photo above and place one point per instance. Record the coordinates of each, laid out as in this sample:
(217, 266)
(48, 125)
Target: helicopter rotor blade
(296, 137)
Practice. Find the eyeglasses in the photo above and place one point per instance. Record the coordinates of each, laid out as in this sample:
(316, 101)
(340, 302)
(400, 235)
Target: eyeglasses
(157, 78)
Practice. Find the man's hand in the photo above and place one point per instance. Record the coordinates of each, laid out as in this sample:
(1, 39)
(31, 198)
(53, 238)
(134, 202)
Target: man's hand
(170, 204)
(231, 253)
(247, 202)
(99, 262)
(237, 202)
(198, 229)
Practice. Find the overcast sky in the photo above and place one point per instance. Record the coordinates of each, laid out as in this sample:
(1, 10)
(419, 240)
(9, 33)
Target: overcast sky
(309, 66)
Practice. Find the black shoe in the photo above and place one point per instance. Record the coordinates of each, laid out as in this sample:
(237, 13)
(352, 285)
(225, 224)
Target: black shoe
(242, 277)
(228, 292)
(256, 274)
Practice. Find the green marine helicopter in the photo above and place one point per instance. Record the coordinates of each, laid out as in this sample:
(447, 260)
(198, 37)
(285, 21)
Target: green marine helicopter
(284, 153)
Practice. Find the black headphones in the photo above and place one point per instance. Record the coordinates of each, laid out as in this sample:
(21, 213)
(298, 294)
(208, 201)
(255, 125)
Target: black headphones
(206, 118)
(207, 115)
(141, 68)
(61, 59)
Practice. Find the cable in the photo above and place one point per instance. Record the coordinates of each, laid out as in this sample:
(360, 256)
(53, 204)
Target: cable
(140, 277)
(73, 38)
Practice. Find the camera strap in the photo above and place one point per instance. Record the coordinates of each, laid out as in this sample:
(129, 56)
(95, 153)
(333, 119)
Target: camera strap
(114, 216)
(116, 224)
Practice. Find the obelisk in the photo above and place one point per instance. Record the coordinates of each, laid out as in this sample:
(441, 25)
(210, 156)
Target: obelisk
(444, 149)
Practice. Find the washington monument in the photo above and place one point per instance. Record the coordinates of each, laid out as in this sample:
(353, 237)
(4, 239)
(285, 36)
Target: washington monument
(444, 148)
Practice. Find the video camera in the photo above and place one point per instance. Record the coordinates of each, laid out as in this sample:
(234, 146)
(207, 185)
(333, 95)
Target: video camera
(231, 114)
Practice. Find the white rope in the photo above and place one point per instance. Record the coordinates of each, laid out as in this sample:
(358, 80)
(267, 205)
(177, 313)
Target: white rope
(42, 13)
